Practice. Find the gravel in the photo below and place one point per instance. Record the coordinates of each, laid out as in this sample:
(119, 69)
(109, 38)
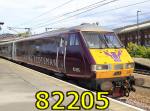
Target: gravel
(140, 98)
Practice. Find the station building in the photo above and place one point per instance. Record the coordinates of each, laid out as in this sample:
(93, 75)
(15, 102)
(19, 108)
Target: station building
(139, 34)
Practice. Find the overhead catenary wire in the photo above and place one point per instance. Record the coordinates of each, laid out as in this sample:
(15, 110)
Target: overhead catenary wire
(17, 32)
(15, 29)
(71, 12)
(121, 7)
(146, 13)
(44, 13)
(131, 18)
(104, 10)
(78, 13)
(127, 18)
(117, 8)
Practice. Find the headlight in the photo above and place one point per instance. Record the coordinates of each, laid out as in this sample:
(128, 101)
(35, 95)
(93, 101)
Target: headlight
(101, 67)
(129, 65)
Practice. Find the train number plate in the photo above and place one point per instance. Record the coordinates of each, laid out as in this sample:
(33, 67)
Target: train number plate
(117, 73)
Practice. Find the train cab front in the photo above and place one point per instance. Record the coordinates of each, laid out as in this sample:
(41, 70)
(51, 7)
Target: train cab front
(118, 82)
(113, 66)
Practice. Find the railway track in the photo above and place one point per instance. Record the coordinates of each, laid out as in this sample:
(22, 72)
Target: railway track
(146, 87)
(142, 71)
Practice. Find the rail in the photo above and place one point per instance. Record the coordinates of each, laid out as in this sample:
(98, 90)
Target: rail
(142, 71)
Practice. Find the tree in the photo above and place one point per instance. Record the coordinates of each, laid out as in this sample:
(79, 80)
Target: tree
(138, 51)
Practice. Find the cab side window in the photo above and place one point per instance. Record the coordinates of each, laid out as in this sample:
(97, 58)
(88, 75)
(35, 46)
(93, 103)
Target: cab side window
(73, 40)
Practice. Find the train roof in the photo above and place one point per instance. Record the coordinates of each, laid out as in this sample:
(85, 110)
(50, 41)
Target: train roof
(82, 27)
(90, 27)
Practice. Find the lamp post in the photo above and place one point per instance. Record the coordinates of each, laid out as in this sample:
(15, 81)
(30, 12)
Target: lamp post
(138, 24)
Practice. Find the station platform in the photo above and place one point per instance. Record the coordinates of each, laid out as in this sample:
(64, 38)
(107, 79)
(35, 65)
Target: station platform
(142, 61)
(18, 86)
(145, 77)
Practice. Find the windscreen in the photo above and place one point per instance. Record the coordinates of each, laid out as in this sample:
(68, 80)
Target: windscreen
(102, 40)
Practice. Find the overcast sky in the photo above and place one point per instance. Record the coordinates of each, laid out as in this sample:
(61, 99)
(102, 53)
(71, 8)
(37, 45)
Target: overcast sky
(39, 14)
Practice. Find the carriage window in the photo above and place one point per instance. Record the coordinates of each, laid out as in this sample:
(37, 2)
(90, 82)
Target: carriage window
(73, 40)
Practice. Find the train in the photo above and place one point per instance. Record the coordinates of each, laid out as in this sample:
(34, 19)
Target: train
(86, 52)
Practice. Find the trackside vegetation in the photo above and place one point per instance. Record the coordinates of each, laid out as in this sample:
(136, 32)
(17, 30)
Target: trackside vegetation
(138, 50)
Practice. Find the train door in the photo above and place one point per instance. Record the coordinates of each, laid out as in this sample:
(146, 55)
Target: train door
(75, 64)
(61, 55)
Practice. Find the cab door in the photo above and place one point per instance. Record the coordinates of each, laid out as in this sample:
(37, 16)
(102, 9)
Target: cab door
(61, 56)
(75, 64)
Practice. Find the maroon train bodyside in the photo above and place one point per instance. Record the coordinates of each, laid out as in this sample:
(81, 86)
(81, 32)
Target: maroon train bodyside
(64, 53)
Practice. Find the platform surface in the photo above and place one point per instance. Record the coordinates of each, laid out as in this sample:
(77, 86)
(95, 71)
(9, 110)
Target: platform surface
(142, 61)
(19, 84)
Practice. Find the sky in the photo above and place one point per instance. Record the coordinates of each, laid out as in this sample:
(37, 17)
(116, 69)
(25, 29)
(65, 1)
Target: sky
(41, 14)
